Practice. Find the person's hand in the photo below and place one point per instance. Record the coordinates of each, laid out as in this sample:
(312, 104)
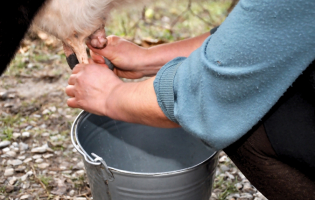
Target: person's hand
(90, 87)
(129, 59)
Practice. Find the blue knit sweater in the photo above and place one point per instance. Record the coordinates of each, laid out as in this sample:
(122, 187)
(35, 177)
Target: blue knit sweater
(228, 84)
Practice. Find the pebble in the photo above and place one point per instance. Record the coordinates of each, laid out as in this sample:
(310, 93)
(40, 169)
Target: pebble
(26, 185)
(3, 162)
(230, 176)
(79, 198)
(27, 160)
(16, 162)
(245, 196)
(46, 111)
(248, 188)
(15, 144)
(46, 134)
(239, 186)
(6, 149)
(37, 156)
(80, 165)
(26, 134)
(224, 168)
(20, 169)
(13, 180)
(26, 196)
(43, 165)
(10, 154)
(39, 160)
(23, 146)
(4, 144)
(9, 188)
(9, 172)
(41, 149)
(223, 159)
(48, 155)
(21, 157)
(71, 193)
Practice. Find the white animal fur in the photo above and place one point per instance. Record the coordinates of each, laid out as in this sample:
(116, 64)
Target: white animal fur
(73, 21)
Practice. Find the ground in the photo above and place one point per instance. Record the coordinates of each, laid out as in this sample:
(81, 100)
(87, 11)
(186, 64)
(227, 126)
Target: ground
(37, 158)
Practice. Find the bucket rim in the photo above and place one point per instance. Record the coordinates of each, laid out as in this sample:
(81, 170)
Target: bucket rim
(87, 158)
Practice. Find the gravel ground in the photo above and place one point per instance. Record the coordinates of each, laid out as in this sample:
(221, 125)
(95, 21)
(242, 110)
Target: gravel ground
(37, 158)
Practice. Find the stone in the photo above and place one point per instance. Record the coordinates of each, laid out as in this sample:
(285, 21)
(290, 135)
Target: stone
(16, 162)
(245, 196)
(23, 146)
(224, 168)
(4, 144)
(27, 160)
(26, 134)
(25, 197)
(21, 157)
(39, 160)
(41, 149)
(46, 111)
(15, 144)
(71, 193)
(229, 175)
(43, 165)
(248, 188)
(80, 172)
(10, 154)
(20, 169)
(223, 159)
(13, 180)
(79, 165)
(48, 155)
(4, 161)
(9, 188)
(239, 186)
(30, 173)
(6, 149)
(37, 156)
(46, 134)
(9, 172)
(26, 185)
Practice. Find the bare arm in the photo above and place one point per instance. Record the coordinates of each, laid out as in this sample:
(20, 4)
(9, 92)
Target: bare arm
(108, 95)
(133, 61)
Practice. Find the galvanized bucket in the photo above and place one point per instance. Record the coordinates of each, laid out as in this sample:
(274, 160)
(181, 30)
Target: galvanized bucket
(125, 161)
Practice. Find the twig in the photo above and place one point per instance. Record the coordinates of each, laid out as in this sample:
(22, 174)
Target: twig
(38, 180)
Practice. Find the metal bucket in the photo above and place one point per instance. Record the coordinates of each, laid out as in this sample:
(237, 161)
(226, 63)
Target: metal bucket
(142, 162)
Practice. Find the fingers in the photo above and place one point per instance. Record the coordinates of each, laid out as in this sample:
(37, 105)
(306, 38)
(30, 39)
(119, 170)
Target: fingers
(78, 68)
(71, 102)
(70, 91)
(97, 58)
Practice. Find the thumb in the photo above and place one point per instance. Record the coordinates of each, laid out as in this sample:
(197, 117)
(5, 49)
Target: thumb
(101, 64)
(97, 58)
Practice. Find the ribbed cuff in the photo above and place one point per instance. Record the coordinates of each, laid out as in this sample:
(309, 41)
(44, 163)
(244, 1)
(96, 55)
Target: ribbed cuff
(164, 87)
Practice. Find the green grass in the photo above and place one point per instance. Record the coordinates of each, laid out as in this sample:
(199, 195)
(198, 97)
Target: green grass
(169, 21)
(227, 186)
(45, 180)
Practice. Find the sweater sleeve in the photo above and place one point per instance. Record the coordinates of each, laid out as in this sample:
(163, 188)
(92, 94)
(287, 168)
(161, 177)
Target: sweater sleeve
(227, 85)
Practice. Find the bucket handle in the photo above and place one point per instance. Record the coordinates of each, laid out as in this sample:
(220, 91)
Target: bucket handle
(107, 174)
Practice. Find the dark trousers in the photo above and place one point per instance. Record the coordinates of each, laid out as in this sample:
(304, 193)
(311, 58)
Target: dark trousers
(274, 178)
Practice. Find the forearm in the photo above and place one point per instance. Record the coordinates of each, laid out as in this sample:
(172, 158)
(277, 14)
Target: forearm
(136, 103)
(158, 56)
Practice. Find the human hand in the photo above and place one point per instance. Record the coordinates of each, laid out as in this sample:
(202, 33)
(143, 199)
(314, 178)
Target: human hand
(90, 87)
(129, 59)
